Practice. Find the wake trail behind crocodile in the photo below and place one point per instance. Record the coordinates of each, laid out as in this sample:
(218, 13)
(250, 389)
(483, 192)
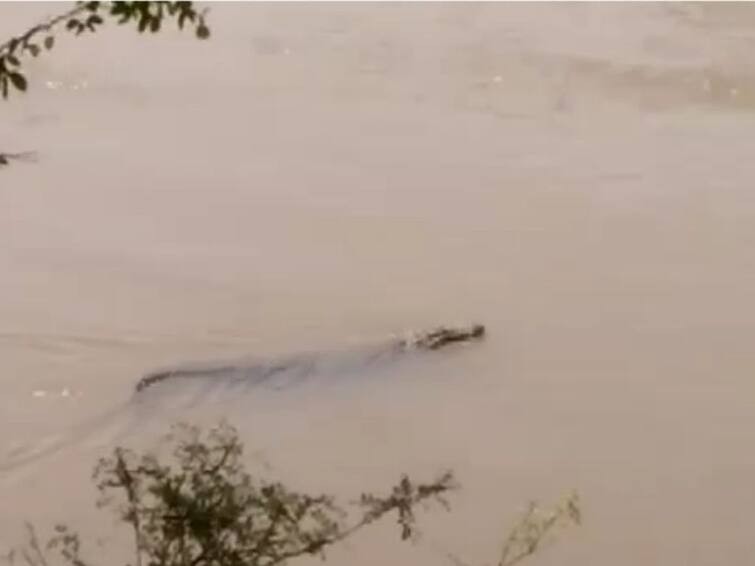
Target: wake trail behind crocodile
(196, 384)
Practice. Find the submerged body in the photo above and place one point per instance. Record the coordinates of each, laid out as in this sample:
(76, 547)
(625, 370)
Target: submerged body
(434, 339)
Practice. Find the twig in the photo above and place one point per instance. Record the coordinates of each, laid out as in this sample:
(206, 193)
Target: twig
(44, 26)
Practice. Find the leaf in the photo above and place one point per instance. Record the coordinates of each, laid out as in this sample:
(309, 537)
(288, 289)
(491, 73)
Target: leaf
(49, 42)
(33, 49)
(18, 80)
(13, 60)
(4, 85)
(120, 8)
(203, 32)
(73, 24)
(94, 20)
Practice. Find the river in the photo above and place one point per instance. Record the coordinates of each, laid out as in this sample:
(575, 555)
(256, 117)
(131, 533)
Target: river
(317, 177)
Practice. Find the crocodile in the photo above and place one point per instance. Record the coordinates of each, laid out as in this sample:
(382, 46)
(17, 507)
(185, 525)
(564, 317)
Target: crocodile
(429, 340)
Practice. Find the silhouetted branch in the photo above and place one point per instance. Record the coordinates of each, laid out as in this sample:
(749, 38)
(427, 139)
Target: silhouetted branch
(89, 17)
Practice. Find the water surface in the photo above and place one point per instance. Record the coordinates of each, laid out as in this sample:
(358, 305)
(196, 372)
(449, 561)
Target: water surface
(321, 177)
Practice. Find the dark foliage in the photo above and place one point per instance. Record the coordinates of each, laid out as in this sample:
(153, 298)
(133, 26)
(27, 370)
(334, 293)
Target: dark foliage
(204, 509)
(89, 17)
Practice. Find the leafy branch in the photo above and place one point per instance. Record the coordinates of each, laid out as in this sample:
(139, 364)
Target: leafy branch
(532, 530)
(203, 508)
(534, 527)
(89, 17)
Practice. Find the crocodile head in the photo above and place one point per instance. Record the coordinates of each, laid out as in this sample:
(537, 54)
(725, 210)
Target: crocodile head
(445, 335)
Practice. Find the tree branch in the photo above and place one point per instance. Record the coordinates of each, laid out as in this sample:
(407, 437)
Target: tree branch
(47, 25)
